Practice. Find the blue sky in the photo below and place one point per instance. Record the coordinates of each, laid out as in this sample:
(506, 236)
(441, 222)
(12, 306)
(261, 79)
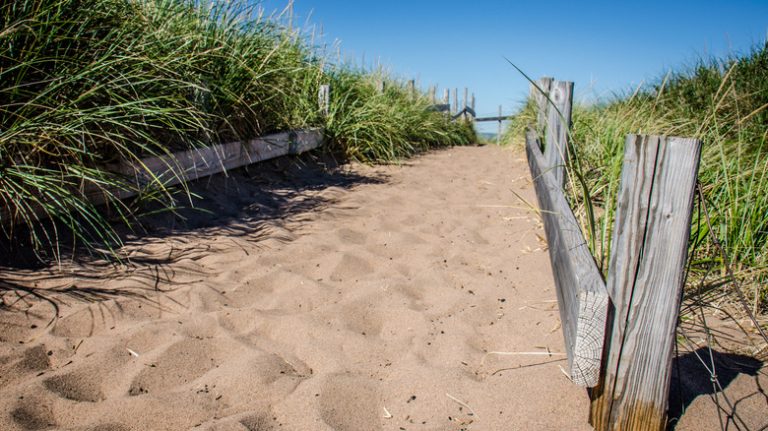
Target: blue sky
(604, 47)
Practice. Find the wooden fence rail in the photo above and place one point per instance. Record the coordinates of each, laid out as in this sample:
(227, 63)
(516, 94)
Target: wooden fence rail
(581, 294)
(623, 332)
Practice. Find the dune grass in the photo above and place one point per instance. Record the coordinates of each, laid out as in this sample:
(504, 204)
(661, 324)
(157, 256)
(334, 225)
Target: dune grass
(86, 83)
(723, 102)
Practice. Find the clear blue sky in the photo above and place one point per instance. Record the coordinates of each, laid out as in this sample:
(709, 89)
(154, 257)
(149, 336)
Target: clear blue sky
(604, 46)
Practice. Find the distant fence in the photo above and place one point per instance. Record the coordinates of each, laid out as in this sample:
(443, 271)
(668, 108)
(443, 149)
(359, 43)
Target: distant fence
(619, 334)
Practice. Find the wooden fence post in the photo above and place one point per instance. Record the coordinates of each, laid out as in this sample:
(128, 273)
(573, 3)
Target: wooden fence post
(455, 101)
(465, 103)
(645, 282)
(472, 106)
(324, 98)
(558, 127)
(412, 88)
(542, 104)
(380, 86)
(447, 97)
(433, 94)
(498, 134)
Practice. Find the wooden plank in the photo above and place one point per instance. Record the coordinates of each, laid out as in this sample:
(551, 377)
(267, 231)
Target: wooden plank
(196, 163)
(201, 162)
(439, 108)
(581, 293)
(645, 281)
(467, 111)
(455, 101)
(500, 118)
(558, 127)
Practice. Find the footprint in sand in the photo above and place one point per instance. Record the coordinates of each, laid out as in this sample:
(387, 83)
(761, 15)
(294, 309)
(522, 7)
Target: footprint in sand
(350, 403)
(86, 383)
(258, 422)
(350, 267)
(77, 386)
(182, 363)
(109, 427)
(349, 236)
(33, 413)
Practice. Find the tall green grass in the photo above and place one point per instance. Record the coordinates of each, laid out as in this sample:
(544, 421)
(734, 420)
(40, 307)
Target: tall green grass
(723, 102)
(86, 83)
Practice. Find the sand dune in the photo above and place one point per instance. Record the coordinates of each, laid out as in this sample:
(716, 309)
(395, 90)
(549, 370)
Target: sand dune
(374, 304)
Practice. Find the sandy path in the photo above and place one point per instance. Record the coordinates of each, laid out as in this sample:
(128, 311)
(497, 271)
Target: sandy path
(389, 298)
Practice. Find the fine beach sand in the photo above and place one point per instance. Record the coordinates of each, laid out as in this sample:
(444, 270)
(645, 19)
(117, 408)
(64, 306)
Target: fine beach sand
(369, 298)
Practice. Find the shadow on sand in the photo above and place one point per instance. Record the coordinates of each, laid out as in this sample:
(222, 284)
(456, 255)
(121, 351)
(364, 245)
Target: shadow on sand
(245, 204)
(692, 378)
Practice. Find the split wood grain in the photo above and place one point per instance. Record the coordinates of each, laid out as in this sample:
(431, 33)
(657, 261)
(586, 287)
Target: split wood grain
(645, 281)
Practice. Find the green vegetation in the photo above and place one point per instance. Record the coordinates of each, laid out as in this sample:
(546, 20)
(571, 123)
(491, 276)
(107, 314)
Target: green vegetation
(86, 83)
(723, 102)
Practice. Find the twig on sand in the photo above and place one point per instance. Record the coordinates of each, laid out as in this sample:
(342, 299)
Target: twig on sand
(547, 353)
(387, 414)
(530, 365)
(463, 404)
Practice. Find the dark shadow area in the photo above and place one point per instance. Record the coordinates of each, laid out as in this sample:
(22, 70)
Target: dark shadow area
(244, 204)
(692, 379)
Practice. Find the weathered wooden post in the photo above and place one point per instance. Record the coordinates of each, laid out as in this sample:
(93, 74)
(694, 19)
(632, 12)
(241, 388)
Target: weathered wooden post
(324, 99)
(433, 94)
(465, 103)
(498, 134)
(558, 128)
(380, 86)
(446, 97)
(540, 96)
(472, 106)
(412, 88)
(645, 282)
(455, 109)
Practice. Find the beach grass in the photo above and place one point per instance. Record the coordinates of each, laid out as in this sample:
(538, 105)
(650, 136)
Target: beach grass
(87, 83)
(723, 102)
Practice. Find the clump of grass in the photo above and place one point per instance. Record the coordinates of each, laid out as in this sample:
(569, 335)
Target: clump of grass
(723, 102)
(86, 83)
(368, 125)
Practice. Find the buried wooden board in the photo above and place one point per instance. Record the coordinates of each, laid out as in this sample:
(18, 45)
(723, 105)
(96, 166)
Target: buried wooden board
(581, 292)
(188, 165)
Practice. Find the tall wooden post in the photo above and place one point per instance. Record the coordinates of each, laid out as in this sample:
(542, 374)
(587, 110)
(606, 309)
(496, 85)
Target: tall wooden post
(455, 101)
(465, 103)
(412, 88)
(540, 96)
(498, 134)
(446, 97)
(433, 94)
(645, 282)
(380, 86)
(558, 127)
(324, 99)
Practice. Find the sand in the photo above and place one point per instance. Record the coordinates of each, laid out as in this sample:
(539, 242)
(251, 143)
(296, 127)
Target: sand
(363, 298)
